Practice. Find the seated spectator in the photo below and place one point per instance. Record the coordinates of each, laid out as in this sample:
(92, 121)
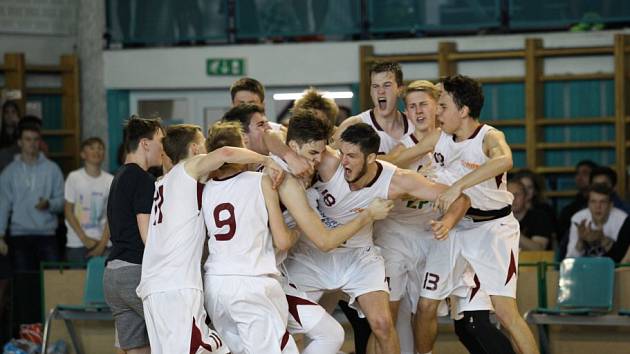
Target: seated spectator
(536, 228)
(86, 193)
(608, 176)
(535, 193)
(601, 229)
(31, 192)
(582, 182)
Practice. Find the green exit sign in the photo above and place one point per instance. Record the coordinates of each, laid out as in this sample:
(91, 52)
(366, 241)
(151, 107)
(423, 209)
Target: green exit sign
(225, 67)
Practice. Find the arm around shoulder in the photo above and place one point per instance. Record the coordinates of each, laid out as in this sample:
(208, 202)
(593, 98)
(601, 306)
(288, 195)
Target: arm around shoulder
(283, 237)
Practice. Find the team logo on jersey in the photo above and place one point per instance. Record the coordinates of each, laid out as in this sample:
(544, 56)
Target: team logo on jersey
(439, 158)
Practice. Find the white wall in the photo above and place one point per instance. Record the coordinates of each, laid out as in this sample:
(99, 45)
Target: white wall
(38, 49)
(331, 63)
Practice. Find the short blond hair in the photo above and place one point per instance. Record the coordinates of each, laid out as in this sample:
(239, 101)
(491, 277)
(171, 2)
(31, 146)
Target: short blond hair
(222, 134)
(423, 86)
(313, 99)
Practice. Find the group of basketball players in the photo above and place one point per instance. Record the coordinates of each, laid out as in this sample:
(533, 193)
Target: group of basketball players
(397, 211)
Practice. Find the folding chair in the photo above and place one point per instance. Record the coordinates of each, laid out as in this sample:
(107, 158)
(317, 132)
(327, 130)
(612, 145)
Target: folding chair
(93, 307)
(585, 289)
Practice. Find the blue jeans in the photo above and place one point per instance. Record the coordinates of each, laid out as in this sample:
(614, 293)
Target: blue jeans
(29, 251)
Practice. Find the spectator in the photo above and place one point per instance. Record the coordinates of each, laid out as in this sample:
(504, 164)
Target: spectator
(536, 228)
(608, 176)
(8, 132)
(86, 195)
(128, 210)
(10, 119)
(31, 190)
(601, 229)
(582, 181)
(535, 193)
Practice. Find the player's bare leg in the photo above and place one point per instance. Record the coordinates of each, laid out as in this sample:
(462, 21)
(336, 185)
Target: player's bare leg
(510, 319)
(426, 324)
(375, 306)
(393, 308)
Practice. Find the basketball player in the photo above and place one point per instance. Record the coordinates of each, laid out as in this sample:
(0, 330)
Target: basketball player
(251, 91)
(405, 235)
(171, 284)
(244, 221)
(307, 136)
(474, 158)
(347, 185)
(325, 108)
(258, 137)
(386, 84)
(405, 243)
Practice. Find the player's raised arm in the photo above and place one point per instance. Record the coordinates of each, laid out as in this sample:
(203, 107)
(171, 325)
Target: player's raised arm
(414, 184)
(500, 161)
(200, 165)
(293, 197)
(405, 156)
(283, 237)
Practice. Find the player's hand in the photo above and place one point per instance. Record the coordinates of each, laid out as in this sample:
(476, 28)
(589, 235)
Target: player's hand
(444, 200)
(299, 166)
(4, 248)
(380, 208)
(440, 229)
(96, 251)
(586, 233)
(429, 171)
(42, 204)
(88, 242)
(275, 172)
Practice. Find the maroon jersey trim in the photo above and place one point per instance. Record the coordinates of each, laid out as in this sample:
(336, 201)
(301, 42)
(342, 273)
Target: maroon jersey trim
(378, 174)
(226, 178)
(474, 134)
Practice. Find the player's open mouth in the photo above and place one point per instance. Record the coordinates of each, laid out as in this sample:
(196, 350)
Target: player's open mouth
(382, 103)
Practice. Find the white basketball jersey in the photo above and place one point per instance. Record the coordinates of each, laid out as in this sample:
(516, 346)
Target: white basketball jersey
(240, 242)
(412, 211)
(339, 203)
(387, 141)
(172, 254)
(453, 160)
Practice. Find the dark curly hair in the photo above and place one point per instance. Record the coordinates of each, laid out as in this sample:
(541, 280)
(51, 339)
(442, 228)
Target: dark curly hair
(465, 92)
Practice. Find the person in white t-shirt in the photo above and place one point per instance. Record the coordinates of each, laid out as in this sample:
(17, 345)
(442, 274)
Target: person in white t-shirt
(595, 231)
(86, 193)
